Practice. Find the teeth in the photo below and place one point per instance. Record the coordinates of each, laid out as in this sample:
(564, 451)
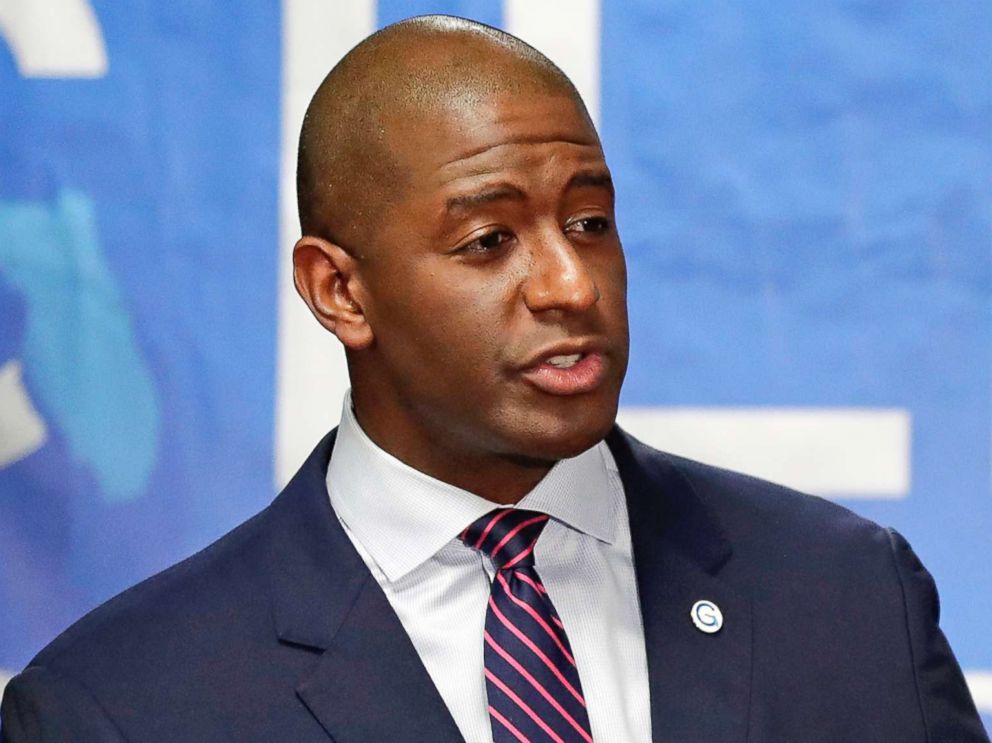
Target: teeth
(564, 362)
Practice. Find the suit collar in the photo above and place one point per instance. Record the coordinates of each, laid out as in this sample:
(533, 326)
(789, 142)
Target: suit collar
(663, 505)
(700, 683)
(402, 517)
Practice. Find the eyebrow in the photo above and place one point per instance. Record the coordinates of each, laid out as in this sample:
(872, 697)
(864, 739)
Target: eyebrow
(502, 191)
(594, 178)
(507, 191)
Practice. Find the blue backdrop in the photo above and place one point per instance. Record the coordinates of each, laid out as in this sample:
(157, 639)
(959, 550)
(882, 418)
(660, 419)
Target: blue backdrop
(804, 196)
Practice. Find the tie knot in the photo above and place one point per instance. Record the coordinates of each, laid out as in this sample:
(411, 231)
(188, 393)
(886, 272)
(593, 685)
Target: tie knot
(507, 535)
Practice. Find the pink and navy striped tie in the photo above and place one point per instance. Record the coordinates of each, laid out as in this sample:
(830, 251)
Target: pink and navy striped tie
(531, 680)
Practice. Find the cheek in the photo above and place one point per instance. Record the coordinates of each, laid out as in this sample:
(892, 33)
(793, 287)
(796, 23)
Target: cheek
(614, 267)
(472, 329)
(446, 324)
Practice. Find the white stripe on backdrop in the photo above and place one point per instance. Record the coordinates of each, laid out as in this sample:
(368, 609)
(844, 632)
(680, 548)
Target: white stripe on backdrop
(851, 452)
(54, 38)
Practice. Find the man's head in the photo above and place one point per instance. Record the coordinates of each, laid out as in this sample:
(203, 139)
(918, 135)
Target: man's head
(459, 233)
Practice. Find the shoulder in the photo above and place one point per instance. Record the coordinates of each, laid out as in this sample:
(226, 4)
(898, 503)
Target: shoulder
(772, 542)
(196, 647)
(204, 606)
(173, 653)
(756, 516)
(189, 654)
(755, 510)
(178, 612)
(830, 594)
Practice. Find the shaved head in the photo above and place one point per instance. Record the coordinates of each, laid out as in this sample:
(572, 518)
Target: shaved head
(349, 168)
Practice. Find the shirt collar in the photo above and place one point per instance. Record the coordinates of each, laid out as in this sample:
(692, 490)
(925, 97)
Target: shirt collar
(403, 517)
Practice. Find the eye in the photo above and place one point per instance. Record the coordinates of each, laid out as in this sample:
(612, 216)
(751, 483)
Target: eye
(489, 243)
(589, 224)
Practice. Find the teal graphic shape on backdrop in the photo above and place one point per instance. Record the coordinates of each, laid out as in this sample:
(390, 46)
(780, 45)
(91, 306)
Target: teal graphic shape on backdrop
(80, 353)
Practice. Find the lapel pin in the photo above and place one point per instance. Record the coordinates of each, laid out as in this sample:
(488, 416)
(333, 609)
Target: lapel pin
(706, 616)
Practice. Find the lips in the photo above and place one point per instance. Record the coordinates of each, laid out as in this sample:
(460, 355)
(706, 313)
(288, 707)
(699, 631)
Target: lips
(573, 373)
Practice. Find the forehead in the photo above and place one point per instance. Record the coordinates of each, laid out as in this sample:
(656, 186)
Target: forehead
(508, 131)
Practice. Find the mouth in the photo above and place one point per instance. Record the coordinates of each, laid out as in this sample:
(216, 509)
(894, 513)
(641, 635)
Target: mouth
(567, 371)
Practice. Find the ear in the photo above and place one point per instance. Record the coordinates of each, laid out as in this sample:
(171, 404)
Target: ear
(326, 277)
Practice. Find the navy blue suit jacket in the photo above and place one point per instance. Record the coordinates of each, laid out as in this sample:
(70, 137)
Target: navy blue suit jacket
(278, 632)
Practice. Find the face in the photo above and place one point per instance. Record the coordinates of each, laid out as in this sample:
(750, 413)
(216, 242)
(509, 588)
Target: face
(495, 288)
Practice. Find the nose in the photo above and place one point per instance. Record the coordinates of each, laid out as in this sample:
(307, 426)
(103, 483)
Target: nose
(559, 278)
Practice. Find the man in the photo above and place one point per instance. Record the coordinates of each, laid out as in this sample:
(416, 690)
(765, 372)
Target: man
(459, 240)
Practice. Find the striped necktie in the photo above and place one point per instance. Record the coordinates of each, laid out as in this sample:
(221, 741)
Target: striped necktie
(531, 680)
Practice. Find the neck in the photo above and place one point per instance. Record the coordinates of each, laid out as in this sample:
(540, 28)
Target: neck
(501, 478)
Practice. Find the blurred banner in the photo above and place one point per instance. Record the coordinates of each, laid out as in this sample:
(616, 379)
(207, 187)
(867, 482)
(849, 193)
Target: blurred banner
(804, 194)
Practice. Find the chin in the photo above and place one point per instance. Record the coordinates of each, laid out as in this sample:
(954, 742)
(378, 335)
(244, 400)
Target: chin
(554, 437)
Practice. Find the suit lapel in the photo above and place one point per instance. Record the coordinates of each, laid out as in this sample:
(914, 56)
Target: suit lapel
(700, 683)
(369, 683)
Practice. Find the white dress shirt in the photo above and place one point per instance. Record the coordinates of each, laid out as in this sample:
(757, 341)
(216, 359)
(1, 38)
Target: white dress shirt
(405, 525)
